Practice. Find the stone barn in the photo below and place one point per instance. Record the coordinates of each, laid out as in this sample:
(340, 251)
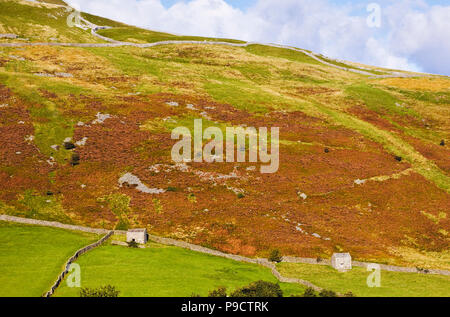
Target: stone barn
(138, 235)
(341, 261)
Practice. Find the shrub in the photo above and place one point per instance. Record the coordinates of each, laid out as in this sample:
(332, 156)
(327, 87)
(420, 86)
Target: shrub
(240, 195)
(259, 289)
(349, 294)
(220, 292)
(75, 160)
(103, 291)
(442, 143)
(275, 256)
(191, 197)
(327, 293)
(171, 189)
(310, 292)
(122, 225)
(133, 244)
(69, 145)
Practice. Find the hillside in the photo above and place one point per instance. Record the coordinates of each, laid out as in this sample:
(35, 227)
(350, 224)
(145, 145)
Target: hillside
(364, 158)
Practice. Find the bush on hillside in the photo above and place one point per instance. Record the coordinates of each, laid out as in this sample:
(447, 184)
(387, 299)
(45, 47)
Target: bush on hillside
(259, 289)
(219, 292)
(133, 244)
(327, 293)
(122, 225)
(103, 291)
(275, 256)
(310, 292)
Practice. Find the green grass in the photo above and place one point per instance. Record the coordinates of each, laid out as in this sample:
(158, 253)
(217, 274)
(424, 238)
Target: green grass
(100, 20)
(255, 72)
(440, 98)
(31, 257)
(32, 205)
(377, 99)
(393, 284)
(247, 96)
(288, 75)
(291, 55)
(340, 64)
(128, 63)
(60, 2)
(130, 33)
(166, 271)
(40, 23)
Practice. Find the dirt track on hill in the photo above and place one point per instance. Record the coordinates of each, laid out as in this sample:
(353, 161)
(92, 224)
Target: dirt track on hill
(113, 43)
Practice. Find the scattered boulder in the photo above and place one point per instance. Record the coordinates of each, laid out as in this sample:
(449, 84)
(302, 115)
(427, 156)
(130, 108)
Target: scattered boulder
(132, 181)
(101, 117)
(63, 75)
(75, 160)
(8, 36)
(302, 195)
(69, 145)
(81, 142)
(43, 75)
(172, 104)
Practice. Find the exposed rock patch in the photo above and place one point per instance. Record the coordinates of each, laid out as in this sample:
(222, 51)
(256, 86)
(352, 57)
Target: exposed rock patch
(131, 180)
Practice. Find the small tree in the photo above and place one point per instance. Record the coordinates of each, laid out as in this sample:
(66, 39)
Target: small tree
(220, 292)
(310, 292)
(259, 289)
(132, 244)
(275, 256)
(103, 291)
(327, 293)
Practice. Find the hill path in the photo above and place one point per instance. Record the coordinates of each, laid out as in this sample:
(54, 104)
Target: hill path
(114, 43)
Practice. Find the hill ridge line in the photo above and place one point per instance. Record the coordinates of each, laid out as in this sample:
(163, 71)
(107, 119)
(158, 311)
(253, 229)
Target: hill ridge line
(114, 43)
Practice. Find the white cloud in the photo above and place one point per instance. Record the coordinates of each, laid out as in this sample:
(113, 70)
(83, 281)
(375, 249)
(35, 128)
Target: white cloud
(414, 35)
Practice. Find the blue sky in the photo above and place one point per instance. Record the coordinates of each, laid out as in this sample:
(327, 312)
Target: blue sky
(411, 34)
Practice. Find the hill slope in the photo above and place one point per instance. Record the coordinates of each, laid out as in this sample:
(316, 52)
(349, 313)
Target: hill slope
(119, 104)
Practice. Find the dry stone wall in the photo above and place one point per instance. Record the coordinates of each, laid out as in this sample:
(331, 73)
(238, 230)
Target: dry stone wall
(74, 258)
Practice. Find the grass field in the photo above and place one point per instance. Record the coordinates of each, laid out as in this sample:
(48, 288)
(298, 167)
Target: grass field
(137, 35)
(31, 257)
(393, 284)
(166, 271)
(35, 23)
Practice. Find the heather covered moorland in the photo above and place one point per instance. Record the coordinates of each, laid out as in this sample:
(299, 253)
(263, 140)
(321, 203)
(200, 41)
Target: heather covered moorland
(364, 158)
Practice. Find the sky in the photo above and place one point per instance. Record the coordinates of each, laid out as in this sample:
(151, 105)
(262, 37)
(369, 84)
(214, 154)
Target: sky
(398, 34)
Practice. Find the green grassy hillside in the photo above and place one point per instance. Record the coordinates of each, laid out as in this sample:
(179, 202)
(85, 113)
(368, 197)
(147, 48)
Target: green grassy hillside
(32, 257)
(162, 271)
(393, 284)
